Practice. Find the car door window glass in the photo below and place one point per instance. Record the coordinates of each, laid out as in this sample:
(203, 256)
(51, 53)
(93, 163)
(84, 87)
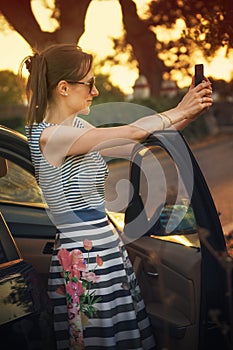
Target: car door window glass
(19, 186)
(166, 199)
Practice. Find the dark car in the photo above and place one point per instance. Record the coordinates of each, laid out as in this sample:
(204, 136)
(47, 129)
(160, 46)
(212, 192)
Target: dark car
(161, 205)
(24, 317)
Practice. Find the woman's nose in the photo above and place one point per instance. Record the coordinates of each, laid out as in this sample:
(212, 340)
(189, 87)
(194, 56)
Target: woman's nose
(95, 91)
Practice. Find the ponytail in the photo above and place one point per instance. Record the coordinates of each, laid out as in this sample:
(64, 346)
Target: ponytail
(36, 88)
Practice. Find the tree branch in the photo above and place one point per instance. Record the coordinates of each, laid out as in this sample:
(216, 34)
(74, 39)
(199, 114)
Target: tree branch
(19, 15)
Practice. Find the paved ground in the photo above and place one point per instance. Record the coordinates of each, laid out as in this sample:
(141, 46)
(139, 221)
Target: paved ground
(215, 157)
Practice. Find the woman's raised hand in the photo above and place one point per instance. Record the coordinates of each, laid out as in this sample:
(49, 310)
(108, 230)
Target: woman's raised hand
(197, 99)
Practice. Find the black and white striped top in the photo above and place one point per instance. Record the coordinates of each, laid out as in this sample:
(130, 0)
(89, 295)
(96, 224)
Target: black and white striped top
(78, 184)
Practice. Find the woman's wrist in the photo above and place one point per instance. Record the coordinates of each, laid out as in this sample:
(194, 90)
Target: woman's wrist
(166, 120)
(171, 117)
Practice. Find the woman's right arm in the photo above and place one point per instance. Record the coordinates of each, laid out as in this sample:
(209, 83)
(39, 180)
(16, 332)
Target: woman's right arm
(59, 141)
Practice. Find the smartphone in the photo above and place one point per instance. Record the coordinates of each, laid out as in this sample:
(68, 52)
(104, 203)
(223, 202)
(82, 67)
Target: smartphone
(198, 73)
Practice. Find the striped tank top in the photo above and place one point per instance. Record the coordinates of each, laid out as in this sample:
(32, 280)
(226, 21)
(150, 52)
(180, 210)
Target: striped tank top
(77, 185)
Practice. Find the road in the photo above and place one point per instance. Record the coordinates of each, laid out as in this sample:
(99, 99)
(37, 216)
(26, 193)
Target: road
(215, 158)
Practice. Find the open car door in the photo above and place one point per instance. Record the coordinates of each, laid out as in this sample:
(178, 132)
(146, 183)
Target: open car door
(175, 241)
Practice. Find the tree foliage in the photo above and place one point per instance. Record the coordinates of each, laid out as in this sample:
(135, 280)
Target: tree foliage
(208, 26)
(10, 91)
(208, 22)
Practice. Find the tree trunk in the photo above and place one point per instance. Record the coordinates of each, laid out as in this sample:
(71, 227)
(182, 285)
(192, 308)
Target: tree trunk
(72, 15)
(143, 42)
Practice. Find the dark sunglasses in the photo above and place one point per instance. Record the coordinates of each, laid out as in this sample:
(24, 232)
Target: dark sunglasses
(90, 83)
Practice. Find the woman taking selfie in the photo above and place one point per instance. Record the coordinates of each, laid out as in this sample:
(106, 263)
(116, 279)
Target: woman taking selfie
(97, 302)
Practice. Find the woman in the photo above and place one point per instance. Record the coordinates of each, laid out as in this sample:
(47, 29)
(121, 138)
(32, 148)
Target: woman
(97, 303)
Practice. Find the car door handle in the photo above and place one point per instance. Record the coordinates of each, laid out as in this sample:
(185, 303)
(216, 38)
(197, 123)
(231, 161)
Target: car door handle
(152, 274)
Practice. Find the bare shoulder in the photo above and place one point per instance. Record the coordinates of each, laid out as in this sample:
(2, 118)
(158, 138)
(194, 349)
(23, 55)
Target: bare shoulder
(60, 138)
(47, 134)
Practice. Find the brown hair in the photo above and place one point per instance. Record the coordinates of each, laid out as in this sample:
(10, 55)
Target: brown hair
(57, 62)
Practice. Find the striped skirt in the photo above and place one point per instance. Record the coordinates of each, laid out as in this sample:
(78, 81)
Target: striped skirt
(96, 298)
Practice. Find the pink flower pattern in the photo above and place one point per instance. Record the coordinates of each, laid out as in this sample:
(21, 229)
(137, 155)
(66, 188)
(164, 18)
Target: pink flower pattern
(80, 299)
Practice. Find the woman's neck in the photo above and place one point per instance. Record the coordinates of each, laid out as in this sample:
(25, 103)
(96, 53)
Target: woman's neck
(55, 116)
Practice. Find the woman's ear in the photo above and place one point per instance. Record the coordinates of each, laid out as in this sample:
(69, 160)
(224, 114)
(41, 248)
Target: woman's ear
(62, 88)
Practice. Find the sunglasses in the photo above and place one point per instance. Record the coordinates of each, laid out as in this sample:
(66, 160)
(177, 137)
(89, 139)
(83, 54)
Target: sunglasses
(90, 83)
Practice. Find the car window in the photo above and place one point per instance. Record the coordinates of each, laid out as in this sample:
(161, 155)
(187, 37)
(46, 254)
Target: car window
(166, 198)
(19, 186)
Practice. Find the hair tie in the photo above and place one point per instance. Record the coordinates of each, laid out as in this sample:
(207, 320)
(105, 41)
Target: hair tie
(29, 62)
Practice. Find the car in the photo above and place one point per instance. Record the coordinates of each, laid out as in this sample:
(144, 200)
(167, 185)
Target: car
(25, 316)
(161, 206)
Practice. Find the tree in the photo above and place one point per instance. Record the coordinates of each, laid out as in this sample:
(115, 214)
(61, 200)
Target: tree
(10, 91)
(20, 16)
(208, 24)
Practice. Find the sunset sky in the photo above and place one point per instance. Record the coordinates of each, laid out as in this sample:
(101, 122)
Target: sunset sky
(103, 21)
